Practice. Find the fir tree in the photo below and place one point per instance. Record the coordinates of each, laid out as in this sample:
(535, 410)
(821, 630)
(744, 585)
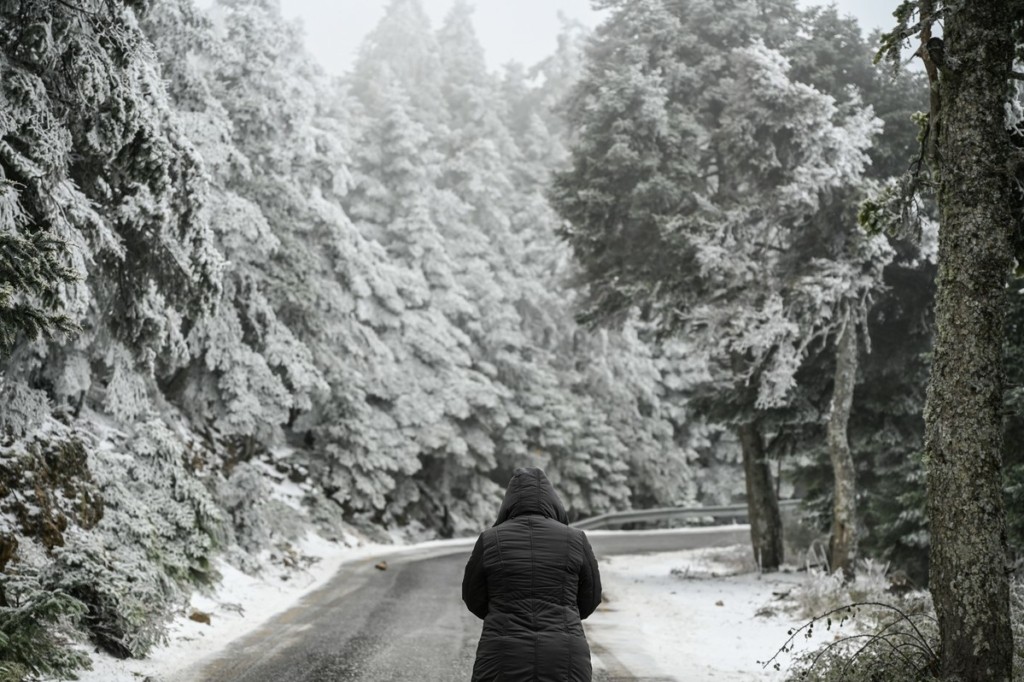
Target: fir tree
(690, 182)
(94, 158)
(249, 371)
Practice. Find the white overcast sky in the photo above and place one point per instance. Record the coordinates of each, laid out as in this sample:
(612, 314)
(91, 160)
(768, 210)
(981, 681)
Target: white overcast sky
(520, 30)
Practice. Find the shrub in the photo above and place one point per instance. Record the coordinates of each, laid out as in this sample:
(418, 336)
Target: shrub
(894, 640)
(127, 599)
(245, 496)
(880, 636)
(899, 646)
(157, 536)
(36, 627)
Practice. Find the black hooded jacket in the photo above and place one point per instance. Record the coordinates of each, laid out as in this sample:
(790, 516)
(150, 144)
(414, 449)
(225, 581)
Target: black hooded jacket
(532, 579)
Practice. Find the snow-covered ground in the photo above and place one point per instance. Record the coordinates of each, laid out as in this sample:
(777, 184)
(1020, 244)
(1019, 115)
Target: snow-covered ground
(691, 615)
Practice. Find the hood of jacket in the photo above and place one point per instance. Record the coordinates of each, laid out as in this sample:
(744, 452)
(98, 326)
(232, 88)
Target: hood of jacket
(530, 492)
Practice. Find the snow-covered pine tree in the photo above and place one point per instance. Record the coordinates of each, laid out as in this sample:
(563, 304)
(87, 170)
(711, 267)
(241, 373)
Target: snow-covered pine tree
(248, 370)
(584, 438)
(397, 201)
(701, 161)
(310, 291)
(100, 163)
(403, 47)
(969, 153)
(613, 377)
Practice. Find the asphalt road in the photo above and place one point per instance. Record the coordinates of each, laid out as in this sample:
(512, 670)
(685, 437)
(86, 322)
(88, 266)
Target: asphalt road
(404, 623)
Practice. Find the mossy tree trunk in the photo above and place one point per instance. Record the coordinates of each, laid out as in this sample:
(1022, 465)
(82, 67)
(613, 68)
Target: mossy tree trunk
(963, 434)
(762, 502)
(843, 541)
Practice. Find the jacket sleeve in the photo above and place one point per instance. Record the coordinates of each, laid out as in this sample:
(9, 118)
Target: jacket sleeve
(474, 581)
(588, 592)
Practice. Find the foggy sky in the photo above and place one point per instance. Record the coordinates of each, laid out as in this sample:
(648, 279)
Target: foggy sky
(520, 30)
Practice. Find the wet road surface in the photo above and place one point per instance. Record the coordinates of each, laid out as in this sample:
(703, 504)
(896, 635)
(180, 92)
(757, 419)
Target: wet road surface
(404, 623)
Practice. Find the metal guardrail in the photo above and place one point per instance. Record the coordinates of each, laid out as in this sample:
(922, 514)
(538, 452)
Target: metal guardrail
(618, 519)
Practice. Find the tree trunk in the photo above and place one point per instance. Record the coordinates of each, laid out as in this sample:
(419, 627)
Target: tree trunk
(843, 543)
(762, 503)
(963, 434)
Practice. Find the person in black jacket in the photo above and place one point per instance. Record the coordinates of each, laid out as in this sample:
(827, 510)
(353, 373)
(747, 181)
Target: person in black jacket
(532, 579)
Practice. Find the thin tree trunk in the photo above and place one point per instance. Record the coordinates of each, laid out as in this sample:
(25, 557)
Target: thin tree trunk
(762, 504)
(963, 434)
(843, 543)
(8, 548)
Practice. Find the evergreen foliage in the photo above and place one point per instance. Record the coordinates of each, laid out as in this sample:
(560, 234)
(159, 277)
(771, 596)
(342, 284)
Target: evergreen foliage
(248, 370)
(690, 160)
(156, 539)
(32, 271)
(35, 633)
(103, 196)
(111, 535)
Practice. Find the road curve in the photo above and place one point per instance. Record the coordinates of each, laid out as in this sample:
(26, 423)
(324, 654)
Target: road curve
(404, 623)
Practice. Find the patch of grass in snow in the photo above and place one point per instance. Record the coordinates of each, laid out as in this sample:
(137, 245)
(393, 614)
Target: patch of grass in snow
(899, 646)
(882, 628)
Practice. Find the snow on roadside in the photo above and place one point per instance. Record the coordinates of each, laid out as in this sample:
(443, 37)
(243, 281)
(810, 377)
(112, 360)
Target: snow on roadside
(240, 604)
(692, 615)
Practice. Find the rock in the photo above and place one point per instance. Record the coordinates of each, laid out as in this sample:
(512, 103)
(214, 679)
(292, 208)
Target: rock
(381, 565)
(199, 617)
